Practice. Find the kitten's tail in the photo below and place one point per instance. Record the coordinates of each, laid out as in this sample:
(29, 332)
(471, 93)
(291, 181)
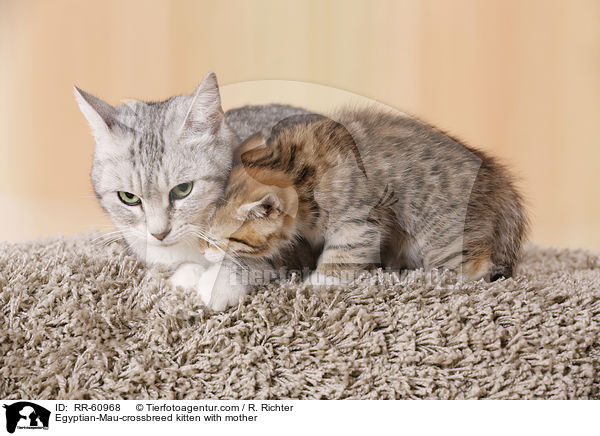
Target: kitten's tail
(510, 232)
(497, 221)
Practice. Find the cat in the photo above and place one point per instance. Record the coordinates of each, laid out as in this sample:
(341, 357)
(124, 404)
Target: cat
(160, 167)
(370, 188)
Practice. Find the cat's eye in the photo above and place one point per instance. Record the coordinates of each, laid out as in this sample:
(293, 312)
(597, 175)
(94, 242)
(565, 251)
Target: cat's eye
(181, 191)
(128, 198)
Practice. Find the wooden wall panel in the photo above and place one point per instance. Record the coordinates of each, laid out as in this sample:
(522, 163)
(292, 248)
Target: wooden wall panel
(519, 79)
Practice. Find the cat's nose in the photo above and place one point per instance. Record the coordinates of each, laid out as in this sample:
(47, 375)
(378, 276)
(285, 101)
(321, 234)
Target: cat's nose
(161, 236)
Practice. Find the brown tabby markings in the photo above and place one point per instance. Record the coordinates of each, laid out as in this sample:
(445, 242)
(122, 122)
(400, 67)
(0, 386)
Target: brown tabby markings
(372, 189)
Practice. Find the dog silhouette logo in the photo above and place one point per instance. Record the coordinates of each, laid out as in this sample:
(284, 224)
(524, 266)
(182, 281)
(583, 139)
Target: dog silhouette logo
(26, 415)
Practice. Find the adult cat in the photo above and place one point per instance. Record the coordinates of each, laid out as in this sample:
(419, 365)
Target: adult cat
(160, 167)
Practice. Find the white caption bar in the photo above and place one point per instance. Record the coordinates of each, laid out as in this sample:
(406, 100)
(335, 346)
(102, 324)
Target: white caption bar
(26, 417)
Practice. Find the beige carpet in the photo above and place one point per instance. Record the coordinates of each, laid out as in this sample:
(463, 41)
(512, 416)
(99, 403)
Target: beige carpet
(80, 321)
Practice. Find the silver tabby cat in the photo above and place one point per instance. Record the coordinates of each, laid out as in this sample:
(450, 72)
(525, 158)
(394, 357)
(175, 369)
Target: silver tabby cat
(159, 169)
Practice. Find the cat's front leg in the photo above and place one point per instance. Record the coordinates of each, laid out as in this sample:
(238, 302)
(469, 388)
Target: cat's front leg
(348, 250)
(220, 285)
(226, 286)
(192, 276)
(233, 281)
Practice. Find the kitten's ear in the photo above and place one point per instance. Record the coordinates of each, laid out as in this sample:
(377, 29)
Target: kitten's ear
(206, 104)
(267, 206)
(253, 142)
(100, 115)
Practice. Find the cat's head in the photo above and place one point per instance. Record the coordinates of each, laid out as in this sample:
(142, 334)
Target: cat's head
(257, 217)
(160, 167)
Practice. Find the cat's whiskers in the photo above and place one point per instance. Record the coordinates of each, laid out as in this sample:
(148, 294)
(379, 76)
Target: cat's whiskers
(224, 247)
(108, 238)
(107, 235)
(205, 236)
(105, 240)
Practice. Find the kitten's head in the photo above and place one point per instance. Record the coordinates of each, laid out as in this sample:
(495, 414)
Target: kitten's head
(257, 217)
(160, 167)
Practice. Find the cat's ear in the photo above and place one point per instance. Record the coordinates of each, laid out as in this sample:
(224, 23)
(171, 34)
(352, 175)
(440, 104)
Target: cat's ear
(101, 116)
(256, 141)
(268, 205)
(205, 106)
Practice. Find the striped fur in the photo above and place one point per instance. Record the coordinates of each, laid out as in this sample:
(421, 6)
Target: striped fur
(372, 188)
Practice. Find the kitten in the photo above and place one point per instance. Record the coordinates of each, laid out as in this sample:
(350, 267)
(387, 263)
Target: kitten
(371, 189)
(160, 167)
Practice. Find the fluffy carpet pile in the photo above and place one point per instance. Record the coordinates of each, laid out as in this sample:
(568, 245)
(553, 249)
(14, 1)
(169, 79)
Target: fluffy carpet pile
(81, 321)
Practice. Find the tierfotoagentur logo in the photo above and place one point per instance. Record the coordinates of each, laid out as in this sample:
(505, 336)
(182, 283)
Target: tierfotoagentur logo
(24, 415)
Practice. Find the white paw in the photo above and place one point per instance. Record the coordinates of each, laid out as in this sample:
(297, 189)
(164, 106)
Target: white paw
(226, 296)
(216, 285)
(197, 277)
(320, 280)
(227, 289)
(186, 276)
(207, 282)
(219, 289)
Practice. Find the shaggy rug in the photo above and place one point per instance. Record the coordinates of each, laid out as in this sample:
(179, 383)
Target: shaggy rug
(82, 321)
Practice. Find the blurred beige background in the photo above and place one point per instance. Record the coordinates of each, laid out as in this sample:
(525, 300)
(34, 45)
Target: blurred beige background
(520, 79)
